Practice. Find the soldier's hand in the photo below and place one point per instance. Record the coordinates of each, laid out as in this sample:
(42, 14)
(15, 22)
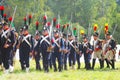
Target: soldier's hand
(65, 51)
(35, 53)
(80, 53)
(30, 54)
(6, 46)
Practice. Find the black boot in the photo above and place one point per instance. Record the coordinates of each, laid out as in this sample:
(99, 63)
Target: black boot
(38, 67)
(50, 66)
(23, 67)
(60, 68)
(107, 62)
(93, 63)
(100, 61)
(55, 68)
(113, 64)
(110, 62)
(78, 66)
(89, 66)
(65, 67)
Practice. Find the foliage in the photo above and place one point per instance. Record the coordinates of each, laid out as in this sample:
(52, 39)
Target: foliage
(84, 12)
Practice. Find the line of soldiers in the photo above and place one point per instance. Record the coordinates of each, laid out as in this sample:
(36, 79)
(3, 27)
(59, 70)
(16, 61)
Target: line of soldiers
(55, 49)
(60, 48)
(7, 40)
(52, 47)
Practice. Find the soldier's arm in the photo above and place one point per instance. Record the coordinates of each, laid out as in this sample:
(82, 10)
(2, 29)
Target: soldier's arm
(90, 48)
(12, 38)
(32, 42)
(62, 44)
(113, 44)
(81, 48)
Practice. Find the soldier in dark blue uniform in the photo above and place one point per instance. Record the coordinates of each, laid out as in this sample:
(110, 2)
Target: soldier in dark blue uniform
(78, 55)
(7, 41)
(36, 51)
(26, 48)
(44, 46)
(72, 54)
(65, 51)
(19, 46)
(57, 51)
(13, 51)
(1, 27)
(87, 50)
(78, 51)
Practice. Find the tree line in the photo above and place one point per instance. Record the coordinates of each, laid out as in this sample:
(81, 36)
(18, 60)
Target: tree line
(82, 14)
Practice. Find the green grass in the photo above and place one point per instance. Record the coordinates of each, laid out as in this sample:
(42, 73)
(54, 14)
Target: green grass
(82, 74)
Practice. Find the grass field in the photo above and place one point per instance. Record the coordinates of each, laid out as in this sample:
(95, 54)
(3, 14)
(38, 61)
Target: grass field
(82, 74)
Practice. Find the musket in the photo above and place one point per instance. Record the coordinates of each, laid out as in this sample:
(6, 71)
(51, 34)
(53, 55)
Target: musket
(114, 29)
(13, 15)
(51, 29)
(68, 29)
(59, 20)
(50, 35)
(89, 32)
(67, 35)
(7, 37)
(71, 24)
(78, 34)
(100, 31)
(45, 20)
(11, 23)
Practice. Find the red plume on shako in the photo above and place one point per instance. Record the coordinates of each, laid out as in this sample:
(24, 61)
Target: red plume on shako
(48, 24)
(44, 19)
(25, 20)
(37, 24)
(67, 25)
(10, 19)
(2, 10)
(54, 22)
(95, 27)
(64, 26)
(106, 28)
(1, 7)
(30, 17)
(58, 26)
(4, 15)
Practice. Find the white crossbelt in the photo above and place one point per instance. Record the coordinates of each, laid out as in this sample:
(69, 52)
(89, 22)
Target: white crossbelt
(36, 42)
(25, 39)
(71, 43)
(85, 44)
(4, 34)
(56, 42)
(45, 39)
